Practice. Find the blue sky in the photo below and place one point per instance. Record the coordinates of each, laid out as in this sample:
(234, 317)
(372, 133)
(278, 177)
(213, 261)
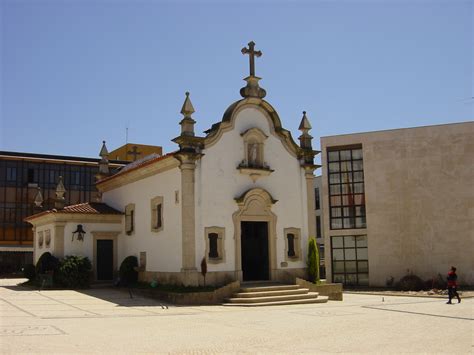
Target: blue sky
(74, 73)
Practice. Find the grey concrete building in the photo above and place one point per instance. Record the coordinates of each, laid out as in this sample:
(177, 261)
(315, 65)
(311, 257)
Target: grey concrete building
(399, 201)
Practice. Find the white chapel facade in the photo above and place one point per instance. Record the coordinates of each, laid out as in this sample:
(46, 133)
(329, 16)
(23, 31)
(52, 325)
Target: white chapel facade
(241, 196)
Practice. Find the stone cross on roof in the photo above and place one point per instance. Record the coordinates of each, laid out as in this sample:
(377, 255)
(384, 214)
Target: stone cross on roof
(252, 54)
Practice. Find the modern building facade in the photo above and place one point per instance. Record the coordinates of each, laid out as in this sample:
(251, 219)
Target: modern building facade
(319, 220)
(398, 202)
(21, 174)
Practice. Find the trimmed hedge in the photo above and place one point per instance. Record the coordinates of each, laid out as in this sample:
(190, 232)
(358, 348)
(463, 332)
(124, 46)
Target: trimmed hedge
(29, 271)
(128, 273)
(47, 263)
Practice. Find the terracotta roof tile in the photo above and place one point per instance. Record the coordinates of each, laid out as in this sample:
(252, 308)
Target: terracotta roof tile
(82, 208)
(137, 165)
(90, 208)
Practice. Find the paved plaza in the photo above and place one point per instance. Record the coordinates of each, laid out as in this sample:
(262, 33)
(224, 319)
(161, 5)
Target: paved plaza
(109, 321)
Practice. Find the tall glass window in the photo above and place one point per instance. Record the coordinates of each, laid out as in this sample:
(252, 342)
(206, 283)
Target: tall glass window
(317, 201)
(318, 227)
(346, 188)
(11, 173)
(350, 264)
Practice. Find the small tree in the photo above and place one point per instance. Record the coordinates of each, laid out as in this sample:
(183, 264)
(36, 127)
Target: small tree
(204, 269)
(313, 260)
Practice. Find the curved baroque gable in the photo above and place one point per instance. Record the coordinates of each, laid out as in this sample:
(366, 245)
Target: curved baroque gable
(228, 122)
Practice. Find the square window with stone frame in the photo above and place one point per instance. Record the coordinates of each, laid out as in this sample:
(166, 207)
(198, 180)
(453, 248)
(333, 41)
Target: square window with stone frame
(215, 252)
(346, 188)
(292, 244)
(130, 219)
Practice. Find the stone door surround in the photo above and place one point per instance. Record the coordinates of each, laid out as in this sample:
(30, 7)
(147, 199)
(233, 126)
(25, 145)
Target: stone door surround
(255, 206)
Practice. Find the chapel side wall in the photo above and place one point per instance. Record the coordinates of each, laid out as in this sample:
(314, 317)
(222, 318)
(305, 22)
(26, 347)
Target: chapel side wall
(163, 248)
(219, 182)
(419, 201)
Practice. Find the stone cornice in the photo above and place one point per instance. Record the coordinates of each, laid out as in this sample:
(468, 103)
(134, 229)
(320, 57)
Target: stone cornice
(140, 173)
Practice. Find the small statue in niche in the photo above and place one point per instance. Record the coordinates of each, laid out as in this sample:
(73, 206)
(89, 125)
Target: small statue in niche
(253, 153)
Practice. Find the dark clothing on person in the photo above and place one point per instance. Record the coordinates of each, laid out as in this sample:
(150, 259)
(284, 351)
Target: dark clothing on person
(452, 286)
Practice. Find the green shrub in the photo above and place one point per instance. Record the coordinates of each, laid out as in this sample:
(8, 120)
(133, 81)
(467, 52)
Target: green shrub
(410, 283)
(313, 260)
(29, 271)
(75, 271)
(128, 273)
(47, 264)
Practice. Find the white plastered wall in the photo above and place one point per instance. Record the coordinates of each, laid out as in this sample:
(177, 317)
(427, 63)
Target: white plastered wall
(219, 182)
(163, 248)
(85, 247)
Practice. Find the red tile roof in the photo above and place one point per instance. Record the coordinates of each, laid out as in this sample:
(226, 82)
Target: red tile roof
(136, 165)
(82, 208)
(90, 208)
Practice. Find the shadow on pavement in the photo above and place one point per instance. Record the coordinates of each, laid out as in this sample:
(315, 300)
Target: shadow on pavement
(122, 297)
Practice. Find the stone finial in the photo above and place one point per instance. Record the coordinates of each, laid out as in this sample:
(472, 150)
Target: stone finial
(187, 110)
(104, 153)
(98, 197)
(187, 123)
(60, 191)
(38, 199)
(104, 162)
(304, 125)
(252, 89)
(305, 138)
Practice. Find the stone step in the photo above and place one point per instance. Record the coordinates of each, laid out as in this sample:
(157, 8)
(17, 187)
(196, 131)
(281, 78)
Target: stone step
(260, 299)
(298, 291)
(320, 299)
(269, 288)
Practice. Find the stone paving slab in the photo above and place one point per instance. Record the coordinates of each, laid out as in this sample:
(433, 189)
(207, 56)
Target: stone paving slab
(107, 322)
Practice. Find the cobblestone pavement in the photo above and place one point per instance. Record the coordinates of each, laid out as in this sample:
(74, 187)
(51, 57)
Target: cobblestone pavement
(109, 321)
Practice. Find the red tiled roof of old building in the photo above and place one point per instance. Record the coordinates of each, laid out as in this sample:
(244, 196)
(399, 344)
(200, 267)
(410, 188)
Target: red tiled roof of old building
(137, 165)
(81, 208)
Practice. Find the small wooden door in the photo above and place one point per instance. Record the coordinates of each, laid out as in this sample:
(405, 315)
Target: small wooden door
(105, 259)
(254, 246)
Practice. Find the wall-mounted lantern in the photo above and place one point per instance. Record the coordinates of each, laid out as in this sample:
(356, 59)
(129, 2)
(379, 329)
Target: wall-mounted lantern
(80, 233)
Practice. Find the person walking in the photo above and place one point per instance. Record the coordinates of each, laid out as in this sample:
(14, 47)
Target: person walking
(452, 285)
